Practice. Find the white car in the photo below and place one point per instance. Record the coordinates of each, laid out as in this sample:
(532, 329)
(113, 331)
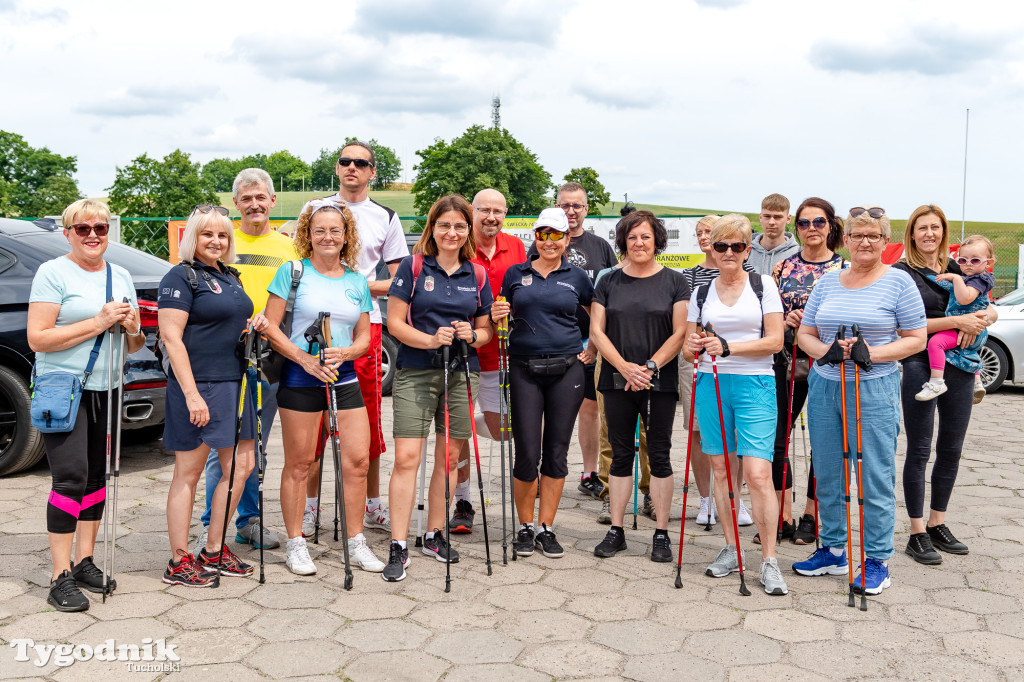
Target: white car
(1002, 357)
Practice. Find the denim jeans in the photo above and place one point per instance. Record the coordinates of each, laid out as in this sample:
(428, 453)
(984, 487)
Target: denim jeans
(880, 424)
(248, 505)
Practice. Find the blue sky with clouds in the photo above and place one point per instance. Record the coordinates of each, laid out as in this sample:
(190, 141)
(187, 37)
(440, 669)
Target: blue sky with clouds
(707, 103)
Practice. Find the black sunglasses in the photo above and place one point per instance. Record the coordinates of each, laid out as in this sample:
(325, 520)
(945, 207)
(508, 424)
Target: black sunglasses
(722, 247)
(206, 208)
(83, 230)
(804, 223)
(874, 211)
(344, 162)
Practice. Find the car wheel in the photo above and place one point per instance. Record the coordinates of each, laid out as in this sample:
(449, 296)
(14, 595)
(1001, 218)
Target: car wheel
(994, 366)
(388, 358)
(21, 445)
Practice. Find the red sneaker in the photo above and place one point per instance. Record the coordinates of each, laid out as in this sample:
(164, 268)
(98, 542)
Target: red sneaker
(230, 565)
(187, 573)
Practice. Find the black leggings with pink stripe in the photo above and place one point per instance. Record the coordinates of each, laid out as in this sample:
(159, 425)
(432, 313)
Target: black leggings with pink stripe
(78, 465)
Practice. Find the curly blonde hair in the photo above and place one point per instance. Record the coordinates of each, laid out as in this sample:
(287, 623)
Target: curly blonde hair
(303, 244)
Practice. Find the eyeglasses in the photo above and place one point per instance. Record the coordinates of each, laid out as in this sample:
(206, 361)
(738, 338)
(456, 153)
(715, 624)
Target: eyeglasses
(345, 162)
(874, 211)
(575, 207)
(491, 211)
(870, 238)
(206, 208)
(819, 223)
(83, 230)
(460, 228)
(549, 236)
(722, 247)
(336, 234)
(964, 261)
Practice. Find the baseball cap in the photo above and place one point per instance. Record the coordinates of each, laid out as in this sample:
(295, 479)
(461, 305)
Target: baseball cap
(553, 218)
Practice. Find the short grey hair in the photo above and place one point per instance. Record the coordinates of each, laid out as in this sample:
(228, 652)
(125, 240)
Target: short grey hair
(250, 177)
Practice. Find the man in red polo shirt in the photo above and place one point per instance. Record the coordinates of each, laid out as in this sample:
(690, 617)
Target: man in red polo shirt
(495, 251)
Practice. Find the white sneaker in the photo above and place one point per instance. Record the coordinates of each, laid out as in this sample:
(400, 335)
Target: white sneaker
(200, 542)
(932, 389)
(743, 516)
(377, 518)
(362, 556)
(297, 557)
(309, 521)
(707, 509)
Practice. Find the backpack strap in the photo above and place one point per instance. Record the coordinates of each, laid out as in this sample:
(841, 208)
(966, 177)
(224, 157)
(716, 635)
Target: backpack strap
(289, 305)
(417, 268)
(481, 279)
(95, 352)
(756, 283)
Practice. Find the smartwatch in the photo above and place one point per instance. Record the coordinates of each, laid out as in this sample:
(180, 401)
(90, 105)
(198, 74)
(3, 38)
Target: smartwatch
(725, 347)
(653, 366)
(474, 338)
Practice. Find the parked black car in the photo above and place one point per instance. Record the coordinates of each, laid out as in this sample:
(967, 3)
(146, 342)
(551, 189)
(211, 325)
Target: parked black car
(24, 246)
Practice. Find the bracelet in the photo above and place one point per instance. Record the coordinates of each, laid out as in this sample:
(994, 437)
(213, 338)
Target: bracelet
(137, 332)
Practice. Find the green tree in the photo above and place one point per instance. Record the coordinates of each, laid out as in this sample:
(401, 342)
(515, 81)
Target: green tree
(169, 187)
(220, 173)
(322, 175)
(34, 182)
(596, 193)
(481, 158)
(289, 171)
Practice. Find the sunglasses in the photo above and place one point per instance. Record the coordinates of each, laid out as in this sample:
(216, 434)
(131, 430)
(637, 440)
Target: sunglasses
(345, 162)
(804, 223)
(874, 211)
(83, 230)
(962, 261)
(549, 236)
(206, 208)
(722, 247)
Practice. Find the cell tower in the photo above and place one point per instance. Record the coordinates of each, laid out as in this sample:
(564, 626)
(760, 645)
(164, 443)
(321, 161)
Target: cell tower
(496, 112)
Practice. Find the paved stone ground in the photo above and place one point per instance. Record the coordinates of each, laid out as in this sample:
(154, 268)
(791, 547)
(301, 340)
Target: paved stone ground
(536, 619)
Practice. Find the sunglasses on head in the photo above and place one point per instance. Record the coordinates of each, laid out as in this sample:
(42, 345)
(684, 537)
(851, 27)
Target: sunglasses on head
(804, 223)
(345, 162)
(874, 211)
(206, 208)
(549, 236)
(722, 247)
(973, 261)
(83, 230)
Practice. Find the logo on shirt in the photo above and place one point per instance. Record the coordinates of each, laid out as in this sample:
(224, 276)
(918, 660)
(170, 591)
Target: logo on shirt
(577, 258)
(177, 294)
(566, 284)
(466, 288)
(214, 286)
(428, 284)
(352, 296)
(399, 281)
(166, 291)
(527, 280)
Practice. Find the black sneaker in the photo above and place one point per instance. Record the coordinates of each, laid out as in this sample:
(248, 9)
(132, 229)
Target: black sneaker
(591, 485)
(804, 533)
(661, 550)
(549, 546)
(439, 549)
(944, 540)
(65, 595)
(525, 540)
(88, 577)
(462, 519)
(614, 542)
(788, 531)
(922, 551)
(398, 559)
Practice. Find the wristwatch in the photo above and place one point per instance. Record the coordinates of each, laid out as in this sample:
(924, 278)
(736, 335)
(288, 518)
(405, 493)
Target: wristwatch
(653, 366)
(725, 347)
(474, 338)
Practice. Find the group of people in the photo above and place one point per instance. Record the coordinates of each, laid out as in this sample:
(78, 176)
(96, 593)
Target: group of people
(609, 340)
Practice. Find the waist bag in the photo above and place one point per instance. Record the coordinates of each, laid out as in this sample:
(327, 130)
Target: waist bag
(549, 367)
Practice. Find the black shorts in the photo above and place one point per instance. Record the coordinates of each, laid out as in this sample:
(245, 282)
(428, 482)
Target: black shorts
(590, 381)
(314, 398)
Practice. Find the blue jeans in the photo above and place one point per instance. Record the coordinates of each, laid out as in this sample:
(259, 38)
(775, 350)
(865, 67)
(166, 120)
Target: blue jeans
(248, 505)
(880, 424)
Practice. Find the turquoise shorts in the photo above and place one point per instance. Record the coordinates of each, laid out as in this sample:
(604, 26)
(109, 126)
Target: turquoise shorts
(750, 411)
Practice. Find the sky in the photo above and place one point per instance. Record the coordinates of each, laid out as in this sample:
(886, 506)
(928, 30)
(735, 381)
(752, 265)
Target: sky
(699, 103)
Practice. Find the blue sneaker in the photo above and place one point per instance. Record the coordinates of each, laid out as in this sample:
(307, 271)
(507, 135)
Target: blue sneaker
(822, 562)
(876, 577)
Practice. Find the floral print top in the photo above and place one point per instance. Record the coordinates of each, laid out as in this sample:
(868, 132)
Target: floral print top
(796, 278)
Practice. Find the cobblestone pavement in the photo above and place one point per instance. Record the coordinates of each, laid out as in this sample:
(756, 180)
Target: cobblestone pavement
(537, 618)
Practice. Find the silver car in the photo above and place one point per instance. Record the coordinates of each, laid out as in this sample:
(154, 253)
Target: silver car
(1002, 357)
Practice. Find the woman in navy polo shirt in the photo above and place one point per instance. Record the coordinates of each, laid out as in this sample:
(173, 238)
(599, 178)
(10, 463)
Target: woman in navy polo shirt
(546, 379)
(202, 311)
(437, 299)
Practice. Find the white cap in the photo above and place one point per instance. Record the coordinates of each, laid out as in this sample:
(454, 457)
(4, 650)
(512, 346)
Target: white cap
(553, 218)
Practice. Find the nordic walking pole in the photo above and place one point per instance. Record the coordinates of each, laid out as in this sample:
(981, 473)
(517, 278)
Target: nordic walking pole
(502, 328)
(861, 357)
(476, 451)
(445, 354)
(786, 461)
(686, 476)
(119, 370)
(506, 429)
(728, 469)
(257, 344)
(419, 505)
(231, 478)
(339, 479)
(107, 551)
(636, 468)
(712, 507)
(314, 339)
(840, 335)
(814, 479)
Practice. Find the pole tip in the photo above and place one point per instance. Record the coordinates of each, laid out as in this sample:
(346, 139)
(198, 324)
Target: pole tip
(743, 587)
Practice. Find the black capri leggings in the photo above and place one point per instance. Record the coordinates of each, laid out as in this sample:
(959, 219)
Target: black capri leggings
(544, 410)
(621, 409)
(78, 465)
(782, 398)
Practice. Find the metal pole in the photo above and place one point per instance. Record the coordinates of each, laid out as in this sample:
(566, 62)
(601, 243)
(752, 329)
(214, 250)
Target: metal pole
(963, 206)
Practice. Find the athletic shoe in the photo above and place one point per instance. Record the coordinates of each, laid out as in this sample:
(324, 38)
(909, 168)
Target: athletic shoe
(200, 542)
(876, 577)
(87, 576)
(804, 534)
(771, 577)
(822, 562)
(944, 540)
(707, 508)
(380, 517)
(309, 521)
(549, 546)
(743, 516)
(398, 559)
(187, 573)
(591, 485)
(780, 535)
(725, 563)
(648, 507)
(661, 549)
(230, 565)
(525, 540)
(249, 534)
(439, 549)
(932, 389)
(613, 543)
(296, 557)
(462, 519)
(362, 556)
(605, 515)
(979, 390)
(64, 594)
(921, 550)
